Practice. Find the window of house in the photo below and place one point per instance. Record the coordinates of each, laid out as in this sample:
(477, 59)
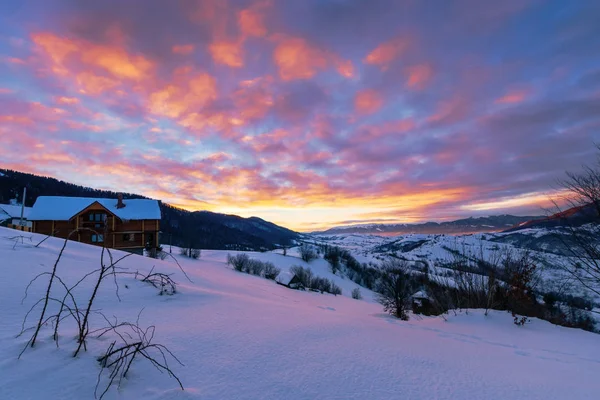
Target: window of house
(97, 238)
(128, 237)
(97, 217)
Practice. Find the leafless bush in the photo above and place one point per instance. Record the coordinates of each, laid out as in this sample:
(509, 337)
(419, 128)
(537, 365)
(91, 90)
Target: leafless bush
(583, 245)
(304, 275)
(271, 271)
(356, 294)
(162, 282)
(239, 262)
(190, 252)
(320, 284)
(335, 289)
(19, 238)
(117, 359)
(68, 304)
(255, 267)
(394, 289)
(135, 343)
(307, 252)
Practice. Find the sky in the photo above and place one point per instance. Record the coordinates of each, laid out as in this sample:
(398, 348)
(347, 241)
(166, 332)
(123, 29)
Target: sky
(307, 113)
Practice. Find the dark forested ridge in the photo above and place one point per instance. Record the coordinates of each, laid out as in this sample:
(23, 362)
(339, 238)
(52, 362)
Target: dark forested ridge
(200, 229)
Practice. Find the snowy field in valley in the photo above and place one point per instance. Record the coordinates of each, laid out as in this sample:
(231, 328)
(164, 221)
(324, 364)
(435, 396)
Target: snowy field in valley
(437, 250)
(245, 337)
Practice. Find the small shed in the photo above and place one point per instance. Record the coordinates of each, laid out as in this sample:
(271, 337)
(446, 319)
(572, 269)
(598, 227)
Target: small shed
(10, 215)
(422, 303)
(288, 279)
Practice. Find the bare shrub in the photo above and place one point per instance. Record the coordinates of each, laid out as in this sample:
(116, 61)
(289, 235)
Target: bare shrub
(356, 294)
(395, 288)
(135, 343)
(320, 284)
(190, 252)
(271, 271)
(162, 282)
(255, 267)
(118, 359)
(581, 243)
(305, 275)
(239, 262)
(335, 289)
(333, 255)
(195, 254)
(307, 252)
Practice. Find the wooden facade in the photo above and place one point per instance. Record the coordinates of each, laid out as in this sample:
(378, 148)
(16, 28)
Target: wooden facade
(98, 226)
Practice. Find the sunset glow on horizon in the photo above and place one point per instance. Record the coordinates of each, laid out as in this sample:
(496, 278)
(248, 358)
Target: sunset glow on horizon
(305, 113)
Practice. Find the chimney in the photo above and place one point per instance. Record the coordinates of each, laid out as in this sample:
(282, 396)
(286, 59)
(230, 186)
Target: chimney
(120, 203)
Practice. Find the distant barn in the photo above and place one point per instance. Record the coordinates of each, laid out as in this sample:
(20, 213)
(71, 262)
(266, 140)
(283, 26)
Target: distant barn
(130, 225)
(289, 279)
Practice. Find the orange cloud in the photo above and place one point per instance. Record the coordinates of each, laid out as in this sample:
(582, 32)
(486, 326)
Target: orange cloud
(419, 75)
(254, 99)
(66, 100)
(513, 97)
(93, 84)
(175, 99)
(367, 101)
(55, 47)
(183, 49)
(296, 59)
(227, 53)
(67, 55)
(251, 23)
(6, 91)
(386, 52)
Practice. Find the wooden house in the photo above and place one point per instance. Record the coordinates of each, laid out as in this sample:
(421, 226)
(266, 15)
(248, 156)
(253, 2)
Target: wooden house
(131, 225)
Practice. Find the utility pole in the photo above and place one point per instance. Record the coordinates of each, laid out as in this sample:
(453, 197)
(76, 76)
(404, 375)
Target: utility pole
(23, 206)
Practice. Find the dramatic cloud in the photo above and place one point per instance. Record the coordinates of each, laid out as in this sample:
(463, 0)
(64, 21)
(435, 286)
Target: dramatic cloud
(306, 113)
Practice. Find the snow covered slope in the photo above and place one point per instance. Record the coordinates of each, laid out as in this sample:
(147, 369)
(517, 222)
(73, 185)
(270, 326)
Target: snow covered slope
(244, 337)
(437, 250)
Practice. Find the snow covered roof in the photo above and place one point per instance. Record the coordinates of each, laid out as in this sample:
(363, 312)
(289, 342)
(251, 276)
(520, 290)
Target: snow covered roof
(285, 277)
(57, 208)
(420, 295)
(14, 211)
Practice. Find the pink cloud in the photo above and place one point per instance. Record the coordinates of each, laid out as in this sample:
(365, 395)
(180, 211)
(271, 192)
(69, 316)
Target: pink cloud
(513, 97)
(387, 52)
(368, 101)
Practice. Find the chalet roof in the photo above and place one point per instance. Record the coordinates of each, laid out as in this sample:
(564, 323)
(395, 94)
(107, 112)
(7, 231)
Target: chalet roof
(285, 277)
(58, 208)
(14, 211)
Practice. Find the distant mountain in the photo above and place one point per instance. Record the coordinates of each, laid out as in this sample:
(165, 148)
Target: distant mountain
(494, 223)
(575, 216)
(203, 229)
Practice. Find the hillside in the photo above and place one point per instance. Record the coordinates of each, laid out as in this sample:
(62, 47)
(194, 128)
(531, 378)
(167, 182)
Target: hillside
(493, 223)
(201, 229)
(243, 337)
(573, 217)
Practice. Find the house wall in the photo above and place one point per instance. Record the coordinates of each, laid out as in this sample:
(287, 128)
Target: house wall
(129, 235)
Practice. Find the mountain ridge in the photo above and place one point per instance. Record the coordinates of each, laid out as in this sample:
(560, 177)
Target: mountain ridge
(492, 223)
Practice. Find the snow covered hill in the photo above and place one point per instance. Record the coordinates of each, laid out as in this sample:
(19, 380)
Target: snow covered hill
(437, 250)
(244, 337)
